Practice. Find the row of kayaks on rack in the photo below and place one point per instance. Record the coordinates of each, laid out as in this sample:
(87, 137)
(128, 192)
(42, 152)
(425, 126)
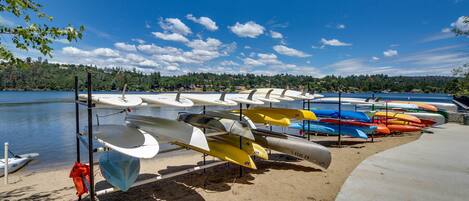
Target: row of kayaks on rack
(234, 138)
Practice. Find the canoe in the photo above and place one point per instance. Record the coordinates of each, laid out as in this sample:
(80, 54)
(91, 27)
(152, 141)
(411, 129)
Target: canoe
(16, 163)
(296, 147)
(332, 129)
(403, 128)
(269, 119)
(170, 130)
(297, 114)
(127, 140)
(344, 114)
(119, 170)
(249, 146)
(219, 124)
(400, 116)
(226, 152)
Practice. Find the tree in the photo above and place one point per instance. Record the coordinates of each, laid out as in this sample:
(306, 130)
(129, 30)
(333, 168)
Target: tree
(461, 27)
(31, 35)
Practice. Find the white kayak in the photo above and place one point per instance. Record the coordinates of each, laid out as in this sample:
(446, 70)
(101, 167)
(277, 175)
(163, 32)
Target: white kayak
(127, 140)
(435, 117)
(116, 100)
(17, 162)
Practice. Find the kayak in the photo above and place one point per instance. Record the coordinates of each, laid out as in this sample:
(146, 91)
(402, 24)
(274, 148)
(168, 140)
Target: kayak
(269, 119)
(332, 129)
(368, 128)
(294, 146)
(403, 128)
(17, 162)
(400, 116)
(119, 170)
(423, 106)
(290, 113)
(438, 119)
(344, 114)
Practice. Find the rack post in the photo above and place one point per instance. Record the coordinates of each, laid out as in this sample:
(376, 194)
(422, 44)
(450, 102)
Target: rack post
(304, 121)
(309, 109)
(204, 155)
(240, 138)
(77, 119)
(90, 137)
(340, 117)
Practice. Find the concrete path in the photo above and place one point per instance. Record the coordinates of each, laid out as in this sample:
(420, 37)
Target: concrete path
(434, 167)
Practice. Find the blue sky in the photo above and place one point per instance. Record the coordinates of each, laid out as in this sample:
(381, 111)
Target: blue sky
(264, 37)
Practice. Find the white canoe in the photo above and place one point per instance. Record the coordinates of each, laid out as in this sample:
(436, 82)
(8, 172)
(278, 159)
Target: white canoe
(172, 130)
(16, 163)
(127, 140)
(167, 99)
(115, 100)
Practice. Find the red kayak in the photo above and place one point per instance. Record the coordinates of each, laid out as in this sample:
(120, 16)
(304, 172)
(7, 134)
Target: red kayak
(403, 128)
(381, 128)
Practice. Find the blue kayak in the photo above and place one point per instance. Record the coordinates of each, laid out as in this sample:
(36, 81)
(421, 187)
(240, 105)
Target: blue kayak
(344, 114)
(119, 170)
(332, 129)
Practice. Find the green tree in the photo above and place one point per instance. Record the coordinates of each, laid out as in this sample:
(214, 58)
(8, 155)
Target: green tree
(462, 28)
(30, 34)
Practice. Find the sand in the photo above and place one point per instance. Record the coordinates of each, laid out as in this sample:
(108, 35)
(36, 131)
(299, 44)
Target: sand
(280, 178)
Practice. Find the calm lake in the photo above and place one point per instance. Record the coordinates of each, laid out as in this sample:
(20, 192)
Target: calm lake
(44, 122)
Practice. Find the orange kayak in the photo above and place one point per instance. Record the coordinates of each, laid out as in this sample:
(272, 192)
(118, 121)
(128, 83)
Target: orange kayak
(421, 105)
(382, 129)
(399, 116)
(400, 122)
(403, 128)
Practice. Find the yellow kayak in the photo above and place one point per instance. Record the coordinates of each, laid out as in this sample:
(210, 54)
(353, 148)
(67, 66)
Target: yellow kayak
(274, 119)
(290, 113)
(225, 152)
(399, 116)
(250, 147)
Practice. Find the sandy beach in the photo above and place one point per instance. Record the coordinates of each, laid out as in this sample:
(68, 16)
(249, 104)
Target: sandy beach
(280, 178)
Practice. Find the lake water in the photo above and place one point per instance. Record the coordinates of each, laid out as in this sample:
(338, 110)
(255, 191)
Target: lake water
(44, 122)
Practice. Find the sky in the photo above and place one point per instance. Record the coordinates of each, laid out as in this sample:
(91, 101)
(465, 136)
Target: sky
(305, 37)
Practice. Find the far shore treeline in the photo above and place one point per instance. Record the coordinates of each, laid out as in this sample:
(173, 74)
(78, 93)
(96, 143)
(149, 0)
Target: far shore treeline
(41, 75)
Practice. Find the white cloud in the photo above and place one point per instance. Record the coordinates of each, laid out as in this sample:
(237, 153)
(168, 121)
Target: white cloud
(340, 26)
(375, 58)
(390, 53)
(249, 29)
(209, 44)
(125, 47)
(105, 52)
(262, 59)
(204, 21)
(73, 51)
(357, 66)
(461, 24)
(138, 40)
(174, 25)
(172, 68)
(333, 42)
(445, 30)
(99, 52)
(276, 35)
(155, 49)
(289, 51)
(171, 37)
(229, 63)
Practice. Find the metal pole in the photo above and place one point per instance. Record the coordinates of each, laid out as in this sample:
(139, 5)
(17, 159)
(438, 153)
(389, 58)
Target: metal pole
(6, 164)
(204, 155)
(340, 117)
(309, 121)
(386, 118)
(304, 121)
(90, 138)
(240, 138)
(77, 119)
(270, 106)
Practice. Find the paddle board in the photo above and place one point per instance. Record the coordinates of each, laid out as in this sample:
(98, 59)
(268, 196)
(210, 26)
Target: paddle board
(210, 99)
(127, 140)
(232, 116)
(269, 119)
(296, 147)
(118, 169)
(174, 100)
(172, 129)
(283, 92)
(115, 100)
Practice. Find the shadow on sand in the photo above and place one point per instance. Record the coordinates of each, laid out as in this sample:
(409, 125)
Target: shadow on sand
(216, 179)
(17, 194)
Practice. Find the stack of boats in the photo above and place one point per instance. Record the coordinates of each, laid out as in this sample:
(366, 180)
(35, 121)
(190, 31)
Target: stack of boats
(233, 135)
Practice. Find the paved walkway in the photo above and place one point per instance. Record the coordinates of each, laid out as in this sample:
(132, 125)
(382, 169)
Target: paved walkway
(434, 167)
